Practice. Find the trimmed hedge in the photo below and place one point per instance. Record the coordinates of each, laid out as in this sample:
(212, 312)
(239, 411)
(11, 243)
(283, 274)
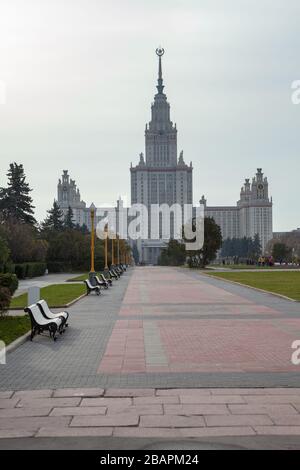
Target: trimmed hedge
(59, 267)
(24, 270)
(9, 281)
(7, 268)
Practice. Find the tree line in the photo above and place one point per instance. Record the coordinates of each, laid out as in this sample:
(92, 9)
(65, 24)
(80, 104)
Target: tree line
(27, 247)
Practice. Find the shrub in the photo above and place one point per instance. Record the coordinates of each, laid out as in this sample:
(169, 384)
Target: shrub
(20, 271)
(5, 297)
(10, 281)
(35, 269)
(24, 270)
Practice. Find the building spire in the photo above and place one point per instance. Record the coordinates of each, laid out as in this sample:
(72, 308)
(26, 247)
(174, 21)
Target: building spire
(160, 87)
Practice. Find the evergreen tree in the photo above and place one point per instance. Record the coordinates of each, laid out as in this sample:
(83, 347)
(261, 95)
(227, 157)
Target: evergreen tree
(54, 220)
(68, 222)
(281, 252)
(82, 228)
(256, 246)
(135, 254)
(15, 200)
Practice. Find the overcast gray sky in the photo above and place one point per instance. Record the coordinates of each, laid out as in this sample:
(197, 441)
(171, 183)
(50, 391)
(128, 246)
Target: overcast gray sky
(80, 76)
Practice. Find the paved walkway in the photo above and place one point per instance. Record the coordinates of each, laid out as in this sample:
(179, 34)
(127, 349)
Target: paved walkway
(162, 327)
(148, 413)
(43, 281)
(165, 352)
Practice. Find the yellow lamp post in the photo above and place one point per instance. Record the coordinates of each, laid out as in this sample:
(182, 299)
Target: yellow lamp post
(92, 270)
(105, 248)
(112, 251)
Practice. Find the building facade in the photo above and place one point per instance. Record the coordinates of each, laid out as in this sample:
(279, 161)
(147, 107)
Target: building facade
(252, 214)
(68, 195)
(160, 177)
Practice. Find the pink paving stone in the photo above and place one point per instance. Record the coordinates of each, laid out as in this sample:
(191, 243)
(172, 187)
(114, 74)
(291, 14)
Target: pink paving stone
(155, 400)
(255, 391)
(196, 409)
(106, 402)
(79, 411)
(211, 399)
(286, 420)
(198, 345)
(271, 409)
(7, 394)
(218, 431)
(137, 409)
(147, 432)
(238, 420)
(269, 399)
(183, 391)
(23, 412)
(33, 423)
(129, 392)
(45, 393)
(278, 430)
(108, 365)
(14, 433)
(119, 419)
(213, 342)
(8, 402)
(48, 402)
(78, 392)
(72, 431)
(297, 406)
(173, 421)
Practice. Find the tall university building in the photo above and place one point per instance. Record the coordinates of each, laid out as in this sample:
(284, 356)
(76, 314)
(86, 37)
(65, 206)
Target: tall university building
(163, 177)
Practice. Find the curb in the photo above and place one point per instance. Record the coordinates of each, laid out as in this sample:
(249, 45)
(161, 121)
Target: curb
(17, 342)
(251, 287)
(55, 306)
(22, 339)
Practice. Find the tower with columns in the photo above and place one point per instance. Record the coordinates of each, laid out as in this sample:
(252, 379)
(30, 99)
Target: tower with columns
(160, 177)
(250, 216)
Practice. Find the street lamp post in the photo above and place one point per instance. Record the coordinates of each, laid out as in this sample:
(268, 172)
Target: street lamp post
(92, 272)
(105, 249)
(112, 251)
(118, 250)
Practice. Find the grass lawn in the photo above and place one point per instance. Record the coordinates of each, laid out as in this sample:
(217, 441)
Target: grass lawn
(55, 295)
(285, 283)
(250, 266)
(13, 327)
(82, 277)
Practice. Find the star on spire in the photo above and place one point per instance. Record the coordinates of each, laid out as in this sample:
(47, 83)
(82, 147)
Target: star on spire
(160, 87)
